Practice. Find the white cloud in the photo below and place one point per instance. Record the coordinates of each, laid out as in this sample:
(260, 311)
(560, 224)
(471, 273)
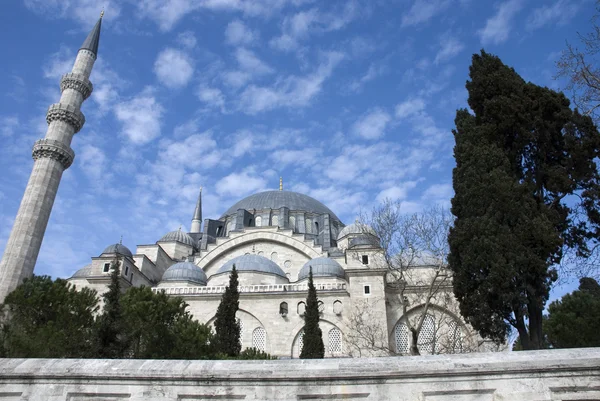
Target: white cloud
(141, 117)
(187, 39)
(409, 108)
(250, 67)
(437, 192)
(396, 192)
(237, 33)
(298, 158)
(373, 72)
(423, 10)
(449, 47)
(93, 162)
(560, 13)
(240, 184)
(8, 125)
(86, 12)
(213, 97)
(293, 91)
(59, 63)
(372, 125)
(173, 68)
(497, 28)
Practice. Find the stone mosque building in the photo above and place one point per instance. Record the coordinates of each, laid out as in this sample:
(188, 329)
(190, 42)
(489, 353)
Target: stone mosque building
(272, 238)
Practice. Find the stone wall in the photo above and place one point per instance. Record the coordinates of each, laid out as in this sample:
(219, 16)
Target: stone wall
(532, 376)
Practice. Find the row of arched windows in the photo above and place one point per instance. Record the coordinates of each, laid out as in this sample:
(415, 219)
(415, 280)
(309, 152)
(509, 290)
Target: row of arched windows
(310, 226)
(432, 339)
(259, 339)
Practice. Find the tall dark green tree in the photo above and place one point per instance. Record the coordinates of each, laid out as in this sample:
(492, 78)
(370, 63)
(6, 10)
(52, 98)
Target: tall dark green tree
(574, 320)
(227, 328)
(43, 318)
(526, 188)
(111, 338)
(313, 347)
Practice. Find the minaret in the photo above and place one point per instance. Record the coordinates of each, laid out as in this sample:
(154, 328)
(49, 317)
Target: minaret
(197, 219)
(52, 155)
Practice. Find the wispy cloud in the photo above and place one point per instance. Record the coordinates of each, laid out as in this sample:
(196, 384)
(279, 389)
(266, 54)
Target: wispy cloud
(497, 28)
(449, 46)
(423, 10)
(237, 33)
(141, 117)
(560, 12)
(187, 39)
(212, 97)
(173, 68)
(372, 125)
(374, 71)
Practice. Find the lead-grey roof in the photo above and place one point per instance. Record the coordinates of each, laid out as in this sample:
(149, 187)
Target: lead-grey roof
(355, 228)
(364, 240)
(85, 271)
(185, 271)
(251, 262)
(118, 248)
(322, 267)
(279, 199)
(93, 39)
(177, 236)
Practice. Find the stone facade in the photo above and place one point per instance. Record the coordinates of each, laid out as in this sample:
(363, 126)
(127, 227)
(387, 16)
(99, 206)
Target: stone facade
(550, 375)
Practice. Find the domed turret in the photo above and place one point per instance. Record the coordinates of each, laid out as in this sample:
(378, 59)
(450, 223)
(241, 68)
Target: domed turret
(252, 263)
(119, 249)
(322, 267)
(355, 228)
(85, 271)
(178, 236)
(185, 271)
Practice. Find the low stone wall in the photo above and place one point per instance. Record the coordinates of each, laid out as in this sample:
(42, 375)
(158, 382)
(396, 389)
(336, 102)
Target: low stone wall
(535, 375)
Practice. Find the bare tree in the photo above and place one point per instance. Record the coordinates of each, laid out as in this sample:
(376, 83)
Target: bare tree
(580, 66)
(414, 250)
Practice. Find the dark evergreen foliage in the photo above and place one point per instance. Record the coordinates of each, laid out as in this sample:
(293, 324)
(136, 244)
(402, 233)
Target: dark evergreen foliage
(112, 341)
(313, 347)
(48, 319)
(519, 158)
(227, 328)
(574, 320)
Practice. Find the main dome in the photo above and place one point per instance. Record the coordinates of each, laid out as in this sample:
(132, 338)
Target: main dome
(279, 199)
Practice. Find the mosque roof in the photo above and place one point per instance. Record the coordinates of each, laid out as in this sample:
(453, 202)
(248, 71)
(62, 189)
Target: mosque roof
(322, 267)
(185, 271)
(179, 236)
(118, 248)
(85, 271)
(355, 228)
(279, 199)
(251, 262)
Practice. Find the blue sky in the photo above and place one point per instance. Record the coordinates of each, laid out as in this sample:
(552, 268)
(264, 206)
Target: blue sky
(350, 101)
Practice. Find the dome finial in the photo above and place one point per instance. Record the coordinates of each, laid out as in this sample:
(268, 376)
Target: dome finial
(102, 13)
(281, 183)
(121, 240)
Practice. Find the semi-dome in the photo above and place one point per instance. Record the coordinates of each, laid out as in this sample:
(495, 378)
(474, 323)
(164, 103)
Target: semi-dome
(118, 248)
(253, 263)
(363, 240)
(85, 271)
(355, 228)
(179, 236)
(322, 267)
(279, 199)
(185, 271)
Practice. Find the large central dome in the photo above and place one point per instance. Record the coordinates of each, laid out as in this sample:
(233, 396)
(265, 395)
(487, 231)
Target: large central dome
(278, 199)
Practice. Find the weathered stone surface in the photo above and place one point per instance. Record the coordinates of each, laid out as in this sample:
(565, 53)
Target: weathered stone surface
(535, 375)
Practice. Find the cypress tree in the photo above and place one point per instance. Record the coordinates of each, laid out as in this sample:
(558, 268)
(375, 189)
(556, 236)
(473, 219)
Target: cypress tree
(520, 157)
(227, 328)
(111, 331)
(313, 347)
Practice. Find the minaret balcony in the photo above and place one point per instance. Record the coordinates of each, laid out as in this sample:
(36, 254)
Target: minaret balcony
(66, 113)
(77, 82)
(52, 149)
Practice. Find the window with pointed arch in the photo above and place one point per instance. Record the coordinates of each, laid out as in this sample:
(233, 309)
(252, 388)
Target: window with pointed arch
(241, 324)
(308, 226)
(402, 339)
(300, 342)
(426, 342)
(259, 338)
(455, 337)
(258, 221)
(335, 341)
(275, 221)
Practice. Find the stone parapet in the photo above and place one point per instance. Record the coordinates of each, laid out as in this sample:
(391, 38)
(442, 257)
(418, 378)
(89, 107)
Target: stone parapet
(251, 288)
(569, 374)
(66, 113)
(77, 82)
(50, 148)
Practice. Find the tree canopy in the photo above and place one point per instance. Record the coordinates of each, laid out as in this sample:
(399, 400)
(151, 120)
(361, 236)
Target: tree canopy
(313, 347)
(520, 156)
(227, 327)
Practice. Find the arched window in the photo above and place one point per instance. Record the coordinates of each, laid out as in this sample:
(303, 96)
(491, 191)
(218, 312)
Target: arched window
(337, 307)
(293, 223)
(275, 221)
(301, 308)
(241, 324)
(427, 336)
(316, 228)
(258, 221)
(308, 226)
(300, 341)
(283, 309)
(402, 337)
(335, 341)
(321, 306)
(455, 336)
(259, 339)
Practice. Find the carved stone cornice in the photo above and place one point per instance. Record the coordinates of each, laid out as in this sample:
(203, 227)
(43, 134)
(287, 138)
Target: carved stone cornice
(77, 82)
(52, 149)
(66, 113)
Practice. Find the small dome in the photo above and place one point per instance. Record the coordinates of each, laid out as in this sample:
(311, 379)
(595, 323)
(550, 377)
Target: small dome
(253, 263)
(185, 271)
(355, 228)
(364, 240)
(178, 236)
(85, 271)
(118, 248)
(322, 267)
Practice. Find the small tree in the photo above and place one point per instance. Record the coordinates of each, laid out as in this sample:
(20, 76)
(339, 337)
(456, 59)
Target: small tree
(227, 340)
(110, 329)
(313, 347)
(48, 319)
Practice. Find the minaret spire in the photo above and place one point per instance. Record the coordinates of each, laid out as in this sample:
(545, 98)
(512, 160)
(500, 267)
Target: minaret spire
(197, 219)
(52, 156)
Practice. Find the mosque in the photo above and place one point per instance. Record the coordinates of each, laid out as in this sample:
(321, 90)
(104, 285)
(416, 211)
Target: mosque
(273, 238)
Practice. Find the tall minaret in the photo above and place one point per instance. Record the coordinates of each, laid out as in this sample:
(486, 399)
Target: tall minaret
(197, 219)
(52, 155)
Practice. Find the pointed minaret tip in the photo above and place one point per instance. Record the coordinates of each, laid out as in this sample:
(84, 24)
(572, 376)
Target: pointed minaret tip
(102, 14)
(197, 219)
(93, 39)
